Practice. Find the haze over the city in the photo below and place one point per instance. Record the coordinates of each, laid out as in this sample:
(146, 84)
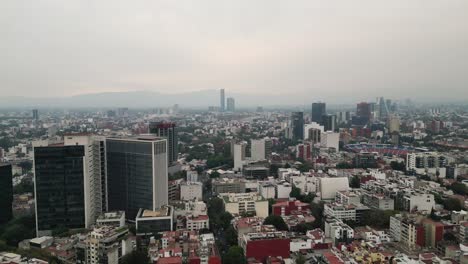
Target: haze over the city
(308, 50)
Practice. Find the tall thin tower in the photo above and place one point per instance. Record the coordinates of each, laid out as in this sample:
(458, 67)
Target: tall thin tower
(222, 101)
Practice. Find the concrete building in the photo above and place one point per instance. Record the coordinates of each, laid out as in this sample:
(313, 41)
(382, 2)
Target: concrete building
(345, 212)
(393, 124)
(260, 149)
(348, 197)
(116, 219)
(423, 202)
(304, 151)
(378, 201)
(107, 244)
(338, 231)
(283, 189)
(330, 139)
(267, 190)
(328, 186)
(137, 174)
(239, 203)
(198, 222)
(427, 163)
(239, 155)
(191, 190)
(222, 100)
(408, 231)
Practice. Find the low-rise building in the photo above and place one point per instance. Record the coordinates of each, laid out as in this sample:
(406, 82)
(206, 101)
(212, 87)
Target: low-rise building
(241, 203)
(198, 222)
(107, 244)
(262, 245)
(149, 222)
(191, 191)
(116, 218)
(338, 231)
(291, 207)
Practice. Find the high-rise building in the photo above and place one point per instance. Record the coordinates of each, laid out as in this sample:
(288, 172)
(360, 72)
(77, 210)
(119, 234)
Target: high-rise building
(297, 123)
(393, 124)
(70, 180)
(35, 114)
(260, 148)
(136, 174)
(231, 104)
(167, 130)
(6, 193)
(329, 122)
(318, 110)
(383, 109)
(239, 155)
(363, 110)
(222, 101)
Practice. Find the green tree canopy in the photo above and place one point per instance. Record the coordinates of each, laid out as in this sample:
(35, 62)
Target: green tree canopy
(235, 255)
(277, 221)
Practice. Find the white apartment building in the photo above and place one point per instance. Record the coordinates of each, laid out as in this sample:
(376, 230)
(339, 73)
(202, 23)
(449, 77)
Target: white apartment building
(260, 148)
(239, 203)
(338, 231)
(191, 190)
(239, 155)
(198, 222)
(419, 201)
(107, 244)
(427, 163)
(328, 186)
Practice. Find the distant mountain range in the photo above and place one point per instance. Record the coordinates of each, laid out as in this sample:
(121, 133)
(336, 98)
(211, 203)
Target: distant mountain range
(148, 99)
(137, 99)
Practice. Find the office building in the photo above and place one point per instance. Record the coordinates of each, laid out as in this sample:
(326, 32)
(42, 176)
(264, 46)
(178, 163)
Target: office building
(297, 124)
(167, 130)
(222, 100)
(151, 222)
(6, 193)
(383, 109)
(318, 110)
(107, 244)
(74, 172)
(35, 114)
(231, 104)
(137, 174)
(329, 122)
(260, 149)
(363, 110)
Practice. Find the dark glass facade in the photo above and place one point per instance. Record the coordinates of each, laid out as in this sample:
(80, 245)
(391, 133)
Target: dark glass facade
(129, 175)
(297, 125)
(6, 193)
(318, 110)
(59, 187)
(168, 131)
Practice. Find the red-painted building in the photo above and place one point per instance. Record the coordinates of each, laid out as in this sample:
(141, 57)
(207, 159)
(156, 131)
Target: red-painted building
(263, 245)
(290, 207)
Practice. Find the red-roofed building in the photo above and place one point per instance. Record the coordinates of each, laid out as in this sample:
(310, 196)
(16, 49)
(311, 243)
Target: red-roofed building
(291, 207)
(169, 260)
(263, 245)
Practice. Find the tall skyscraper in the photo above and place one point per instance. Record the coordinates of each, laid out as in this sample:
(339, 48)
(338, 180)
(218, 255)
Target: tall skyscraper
(297, 123)
(136, 174)
(35, 114)
(329, 122)
(318, 110)
(167, 130)
(383, 109)
(69, 182)
(6, 193)
(231, 107)
(222, 101)
(363, 111)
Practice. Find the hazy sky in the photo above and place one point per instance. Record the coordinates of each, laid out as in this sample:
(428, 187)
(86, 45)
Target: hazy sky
(310, 48)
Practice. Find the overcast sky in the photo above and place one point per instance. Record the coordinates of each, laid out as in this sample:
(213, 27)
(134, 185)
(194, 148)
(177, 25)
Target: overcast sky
(313, 49)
